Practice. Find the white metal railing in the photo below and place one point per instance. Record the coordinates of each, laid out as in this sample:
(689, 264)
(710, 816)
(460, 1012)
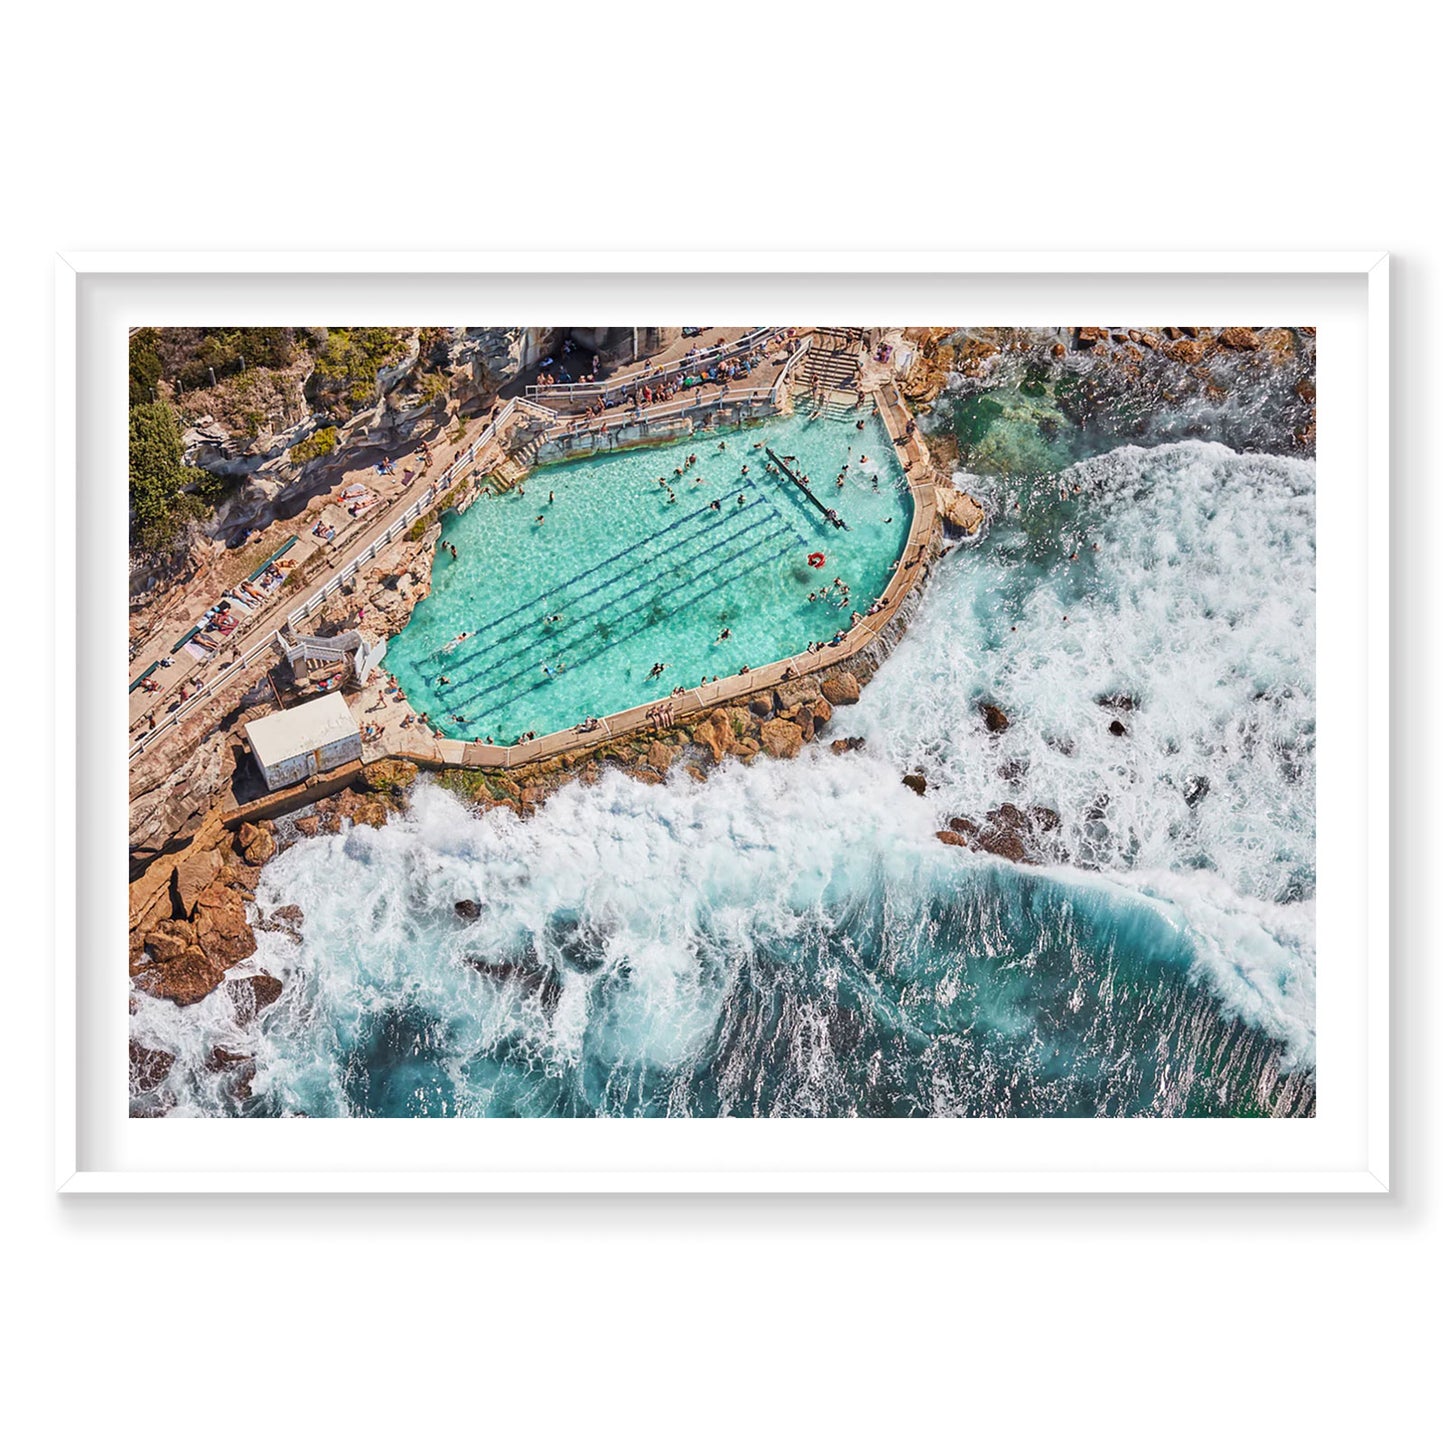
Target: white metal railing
(780, 380)
(619, 386)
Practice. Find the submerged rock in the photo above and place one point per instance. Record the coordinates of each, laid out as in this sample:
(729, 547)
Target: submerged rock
(995, 719)
(848, 745)
(468, 908)
(219, 1059)
(1007, 832)
(917, 782)
(1118, 729)
(250, 995)
(1118, 701)
(148, 1068)
(1196, 789)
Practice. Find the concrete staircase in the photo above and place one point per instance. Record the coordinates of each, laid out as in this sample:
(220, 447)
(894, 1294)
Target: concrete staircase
(832, 361)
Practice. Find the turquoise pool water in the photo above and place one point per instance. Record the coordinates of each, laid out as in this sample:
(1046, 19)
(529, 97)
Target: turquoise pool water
(566, 617)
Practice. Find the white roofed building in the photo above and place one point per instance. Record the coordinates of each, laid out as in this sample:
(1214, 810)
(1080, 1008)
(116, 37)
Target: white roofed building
(314, 737)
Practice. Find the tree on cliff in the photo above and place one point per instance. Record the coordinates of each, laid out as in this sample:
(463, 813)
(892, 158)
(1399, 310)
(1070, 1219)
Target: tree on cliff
(156, 474)
(145, 365)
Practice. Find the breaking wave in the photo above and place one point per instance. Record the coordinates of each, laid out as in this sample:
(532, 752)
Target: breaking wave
(792, 938)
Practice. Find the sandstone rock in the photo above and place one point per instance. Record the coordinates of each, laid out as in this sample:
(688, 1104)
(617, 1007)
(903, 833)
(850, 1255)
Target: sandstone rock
(959, 511)
(917, 782)
(389, 775)
(169, 939)
(1091, 335)
(1046, 820)
(1149, 339)
(250, 995)
(995, 719)
(194, 874)
(660, 756)
(1059, 349)
(761, 707)
(468, 908)
(781, 739)
(966, 826)
(1187, 352)
(705, 735)
(148, 1068)
(1239, 338)
(741, 720)
(848, 745)
(257, 844)
(797, 692)
(308, 827)
(221, 927)
(369, 813)
(841, 688)
(184, 980)
(803, 718)
(954, 840)
(822, 711)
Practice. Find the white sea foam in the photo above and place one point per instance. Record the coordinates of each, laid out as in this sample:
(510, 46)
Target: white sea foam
(1198, 603)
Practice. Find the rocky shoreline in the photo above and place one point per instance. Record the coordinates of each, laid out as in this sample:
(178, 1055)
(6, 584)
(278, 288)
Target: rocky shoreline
(191, 910)
(193, 919)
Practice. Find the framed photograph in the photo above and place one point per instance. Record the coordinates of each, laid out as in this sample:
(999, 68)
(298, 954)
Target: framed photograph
(942, 749)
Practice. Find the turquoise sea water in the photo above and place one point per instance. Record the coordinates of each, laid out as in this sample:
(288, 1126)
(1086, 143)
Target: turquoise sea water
(631, 566)
(790, 938)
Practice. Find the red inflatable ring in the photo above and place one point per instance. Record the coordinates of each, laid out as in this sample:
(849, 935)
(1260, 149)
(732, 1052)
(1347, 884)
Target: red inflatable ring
(816, 559)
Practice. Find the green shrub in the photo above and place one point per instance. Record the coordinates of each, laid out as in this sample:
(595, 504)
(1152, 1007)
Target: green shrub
(145, 365)
(227, 351)
(319, 444)
(350, 358)
(431, 386)
(156, 473)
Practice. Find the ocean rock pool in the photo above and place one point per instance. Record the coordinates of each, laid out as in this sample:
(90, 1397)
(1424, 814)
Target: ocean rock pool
(566, 592)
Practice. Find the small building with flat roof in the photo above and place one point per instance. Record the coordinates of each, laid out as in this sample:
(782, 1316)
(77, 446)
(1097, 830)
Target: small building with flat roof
(292, 745)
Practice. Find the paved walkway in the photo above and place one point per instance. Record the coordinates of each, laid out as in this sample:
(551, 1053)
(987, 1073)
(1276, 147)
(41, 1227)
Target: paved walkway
(188, 672)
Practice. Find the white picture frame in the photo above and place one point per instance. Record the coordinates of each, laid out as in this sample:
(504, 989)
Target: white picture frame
(1344, 1149)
